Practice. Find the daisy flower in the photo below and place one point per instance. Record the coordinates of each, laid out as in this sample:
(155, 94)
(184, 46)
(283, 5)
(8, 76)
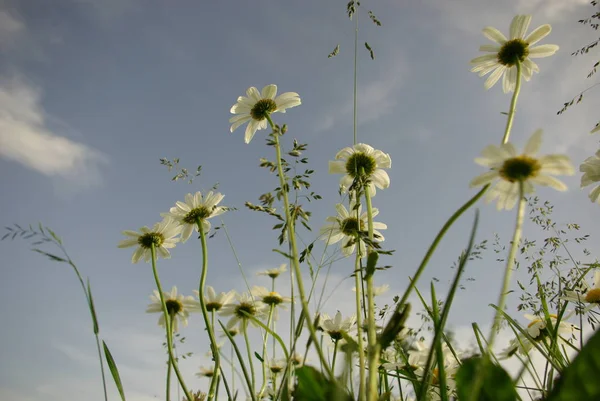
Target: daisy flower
(215, 302)
(591, 174)
(382, 289)
(255, 108)
(586, 293)
(270, 298)
(196, 207)
(537, 331)
(512, 168)
(273, 273)
(345, 227)
(504, 55)
(244, 304)
(336, 326)
(277, 366)
(162, 236)
(178, 307)
(362, 158)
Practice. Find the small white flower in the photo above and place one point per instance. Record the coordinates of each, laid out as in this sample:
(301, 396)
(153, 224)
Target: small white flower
(507, 52)
(362, 157)
(255, 108)
(273, 273)
(196, 207)
(244, 304)
(178, 307)
(345, 227)
(162, 235)
(277, 366)
(382, 289)
(512, 168)
(271, 298)
(213, 301)
(586, 293)
(537, 331)
(336, 326)
(591, 174)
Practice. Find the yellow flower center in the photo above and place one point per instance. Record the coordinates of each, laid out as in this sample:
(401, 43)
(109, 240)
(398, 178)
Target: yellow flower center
(593, 296)
(262, 108)
(201, 213)
(213, 306)
(512, 51)
(351, 226)
(520, 168)
(273, 298)
(146, 240)
(358, 161)
(248, 308)
(173, 306)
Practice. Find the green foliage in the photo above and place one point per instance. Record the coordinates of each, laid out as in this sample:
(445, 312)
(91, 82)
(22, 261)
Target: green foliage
(579, 382)
(496, 383)
(113, 370)
(312, 385)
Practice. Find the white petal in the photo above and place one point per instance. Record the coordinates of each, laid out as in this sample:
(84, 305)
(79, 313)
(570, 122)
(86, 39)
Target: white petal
(534, 143)
(595, 195)
(269, 92)
(509, 80)
(490, 48)
(250, 131)
(381, 179)
(253, 94)
(538, 34)
(556, 164)
(484, 178)
(542, 51)
(485, 58)
(549, 181)
(494, 77)
(337, 167)
(519, 26)
(495, 35)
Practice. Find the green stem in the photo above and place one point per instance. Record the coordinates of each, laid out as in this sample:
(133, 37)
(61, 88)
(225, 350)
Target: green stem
(374, 348)
(264, 352)
(101, 365)
(209, 327)
(355, 102)
(359, 324)
(169, 365)
(249, 352)
(509, 267)
(513, 105)
(168, 325)
(294, 249)
(335, 349)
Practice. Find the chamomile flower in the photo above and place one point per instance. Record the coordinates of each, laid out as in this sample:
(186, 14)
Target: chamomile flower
(362, 161)
(273, 273)
(591, 174)
(215, 302)
(336, 326)
(196, 207)
(162, 236)
(504, 55)
(254, 108)
(270, 299)
(345, 227)
(512, 168)
(586, 293)
(536, 329)
(277, 366)
(237, 310)
(178, 307)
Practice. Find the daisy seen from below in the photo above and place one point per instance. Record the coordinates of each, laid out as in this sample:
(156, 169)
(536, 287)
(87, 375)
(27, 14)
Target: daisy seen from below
(238, 309)
(507, 52)
(362, 161)
(585, 293)
(336, 326)
(511, 169)
(255, 108)
(591, 174)
(196, 207)
(536, 329)
(271, 299)
(163, 236)
(205, 372)
(346, 227)
(178, 307)
(273, 273)
(214, 302)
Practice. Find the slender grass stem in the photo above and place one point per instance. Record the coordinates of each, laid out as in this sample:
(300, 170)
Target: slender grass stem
(359, 324)
(513, 105)
(249, 352)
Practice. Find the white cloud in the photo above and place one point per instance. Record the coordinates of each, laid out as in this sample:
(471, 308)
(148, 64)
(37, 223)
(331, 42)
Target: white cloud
(26, 138)
(10, 29)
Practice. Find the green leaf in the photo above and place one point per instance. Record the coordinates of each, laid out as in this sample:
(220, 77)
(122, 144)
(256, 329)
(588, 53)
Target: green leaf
(579, 381)
(371, 263)
(313, 386)
(92, 308)
(51, 256)
(113, 370)
(496, 386)
(257, 355)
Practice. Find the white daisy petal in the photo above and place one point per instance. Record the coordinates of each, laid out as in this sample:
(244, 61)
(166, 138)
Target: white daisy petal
(538, 34)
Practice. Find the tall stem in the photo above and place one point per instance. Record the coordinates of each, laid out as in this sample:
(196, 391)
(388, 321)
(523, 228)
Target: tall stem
(513, 105)
(359, 328)
(294, 250)
(209, 327)
(172, 360)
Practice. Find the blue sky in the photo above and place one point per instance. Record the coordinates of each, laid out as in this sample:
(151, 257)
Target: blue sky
(94, 93)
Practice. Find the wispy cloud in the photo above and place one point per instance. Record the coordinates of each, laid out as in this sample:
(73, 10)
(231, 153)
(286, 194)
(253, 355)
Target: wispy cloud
(10, 28)
(26, 138)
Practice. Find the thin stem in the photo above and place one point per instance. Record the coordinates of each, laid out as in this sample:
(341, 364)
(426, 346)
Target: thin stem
(355, 102)
(209, 327)
(359, 324)
(168, 325)
(249, 352)
(241, 359)
(509, 267)
(101, 365)
(335, 349)
(264, 352)
(294, 250)
(513, 105)
(169, 364)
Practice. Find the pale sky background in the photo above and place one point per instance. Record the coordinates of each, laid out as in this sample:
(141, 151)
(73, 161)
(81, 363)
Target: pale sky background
(94, 92)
